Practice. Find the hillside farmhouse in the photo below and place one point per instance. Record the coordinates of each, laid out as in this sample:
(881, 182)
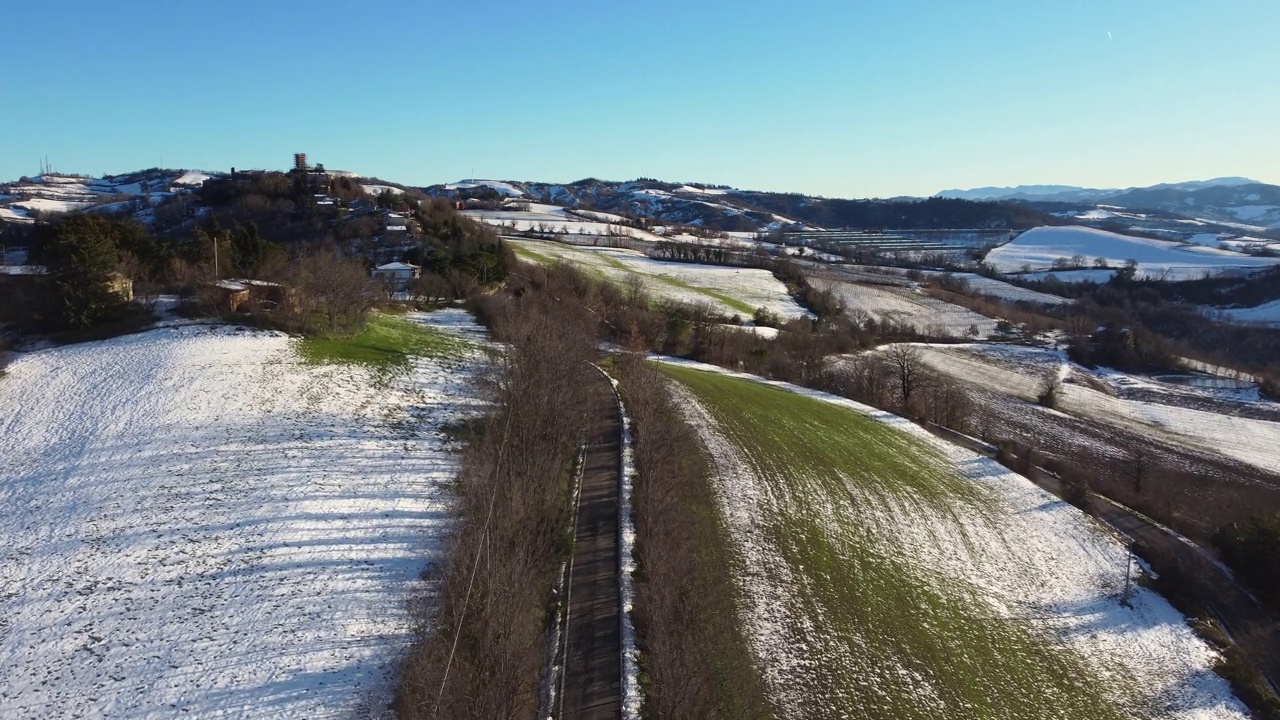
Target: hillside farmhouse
(397, 274)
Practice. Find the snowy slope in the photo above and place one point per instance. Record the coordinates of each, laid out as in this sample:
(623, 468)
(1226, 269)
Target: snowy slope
(199, 525)
(502, 188)
(1040, 247)
(982, 285)
(53, 193)
(1024, 372)
(911, 306)
(1030, 556)
(1265, 314)
(731, 290)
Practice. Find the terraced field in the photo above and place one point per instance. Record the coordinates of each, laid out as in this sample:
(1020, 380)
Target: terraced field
(731, 290)
(890, 575)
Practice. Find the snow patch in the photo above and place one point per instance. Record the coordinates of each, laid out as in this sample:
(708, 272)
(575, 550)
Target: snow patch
(1040, 247)
(200, 523)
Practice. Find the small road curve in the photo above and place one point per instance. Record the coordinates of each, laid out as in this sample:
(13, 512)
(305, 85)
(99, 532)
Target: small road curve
(592, 687)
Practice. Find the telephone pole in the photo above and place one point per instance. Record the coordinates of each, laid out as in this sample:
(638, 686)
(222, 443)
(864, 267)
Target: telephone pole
(1128, 567)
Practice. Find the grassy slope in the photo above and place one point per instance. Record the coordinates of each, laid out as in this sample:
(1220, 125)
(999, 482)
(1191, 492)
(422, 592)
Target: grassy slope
(893, 639)
(386, 342)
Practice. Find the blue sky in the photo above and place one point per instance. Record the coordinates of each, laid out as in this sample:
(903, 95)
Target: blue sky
(844, 99)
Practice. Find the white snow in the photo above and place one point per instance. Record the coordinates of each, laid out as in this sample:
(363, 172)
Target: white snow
(702, 191)
(912, 306)
(379, 189)
(1245, 439)
(14, 214)
(50, 205)
(687, 282)
(983, 285)
(631, 699)
(1020, 371)
(1095, 214)
(192, 178)
(1039, 247)
(1252, 212)
(199, 524)
(1265, 314)
(552, 219)
(501, 187)
(1032, 557)
(23, 270)
(1091, 275)
(1208, 239)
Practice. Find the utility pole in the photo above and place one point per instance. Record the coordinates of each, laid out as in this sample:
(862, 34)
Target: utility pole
(214, 237)
(1128, 566)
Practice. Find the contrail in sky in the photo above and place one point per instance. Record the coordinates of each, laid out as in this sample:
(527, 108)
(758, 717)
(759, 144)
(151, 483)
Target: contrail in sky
(1109, 36)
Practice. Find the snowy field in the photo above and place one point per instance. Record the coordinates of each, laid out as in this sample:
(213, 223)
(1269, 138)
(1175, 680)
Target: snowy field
(1031, 559)
(1024, 372)
(981, 285)
(199, 524)
(1265, 314)
(502, 188)
(732, 290)
(553, 219)
(586, 225)
(912, 306)
(1040, 247)
(53, 193)
(1001, 290)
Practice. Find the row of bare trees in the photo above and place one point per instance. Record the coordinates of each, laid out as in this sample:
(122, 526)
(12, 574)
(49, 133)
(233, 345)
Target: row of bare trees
(897, 378)
(693, 651)
(480, 654)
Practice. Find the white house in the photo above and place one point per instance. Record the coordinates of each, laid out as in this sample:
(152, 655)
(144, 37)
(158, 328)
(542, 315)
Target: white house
(395, 222)
(398, 274)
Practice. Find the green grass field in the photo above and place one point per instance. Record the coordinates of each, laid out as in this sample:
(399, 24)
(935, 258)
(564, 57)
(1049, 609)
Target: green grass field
(386, 344)
(886, 637)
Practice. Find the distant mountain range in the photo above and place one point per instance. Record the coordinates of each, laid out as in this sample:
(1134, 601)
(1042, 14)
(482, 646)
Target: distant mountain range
(1073, 193)
(1234, 202)
(731, 209)
(1223, 206)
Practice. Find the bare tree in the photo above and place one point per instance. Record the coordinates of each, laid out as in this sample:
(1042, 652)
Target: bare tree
(907, 364)
(335, 289)
(1139, 465)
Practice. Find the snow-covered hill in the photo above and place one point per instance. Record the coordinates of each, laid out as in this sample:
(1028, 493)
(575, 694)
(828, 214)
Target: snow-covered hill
(1039, 248)
(1075, 193)
(197, 523)
(1232, 202)
(664, 203)
(31, 198)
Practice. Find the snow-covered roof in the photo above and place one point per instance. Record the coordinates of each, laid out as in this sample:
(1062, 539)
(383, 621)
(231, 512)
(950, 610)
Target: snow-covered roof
(192, 178)
(23, 270)
(397, 266)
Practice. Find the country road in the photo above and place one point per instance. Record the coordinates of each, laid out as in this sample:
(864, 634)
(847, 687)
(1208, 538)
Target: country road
(593, 644)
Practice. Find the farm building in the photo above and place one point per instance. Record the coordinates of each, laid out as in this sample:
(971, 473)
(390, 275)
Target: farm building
(397, 274)
(236, 295)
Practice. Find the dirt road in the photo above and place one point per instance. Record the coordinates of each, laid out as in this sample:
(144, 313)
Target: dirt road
(593, 642)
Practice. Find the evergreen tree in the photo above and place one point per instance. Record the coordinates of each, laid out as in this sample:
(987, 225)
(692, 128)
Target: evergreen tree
(248, 249)
(82, 259)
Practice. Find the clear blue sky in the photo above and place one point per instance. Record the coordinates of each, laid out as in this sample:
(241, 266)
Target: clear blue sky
(844, 99)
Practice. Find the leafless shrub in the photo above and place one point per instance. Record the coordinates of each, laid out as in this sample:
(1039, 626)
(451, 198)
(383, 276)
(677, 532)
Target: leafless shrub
(483, 654)
(694, 655)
